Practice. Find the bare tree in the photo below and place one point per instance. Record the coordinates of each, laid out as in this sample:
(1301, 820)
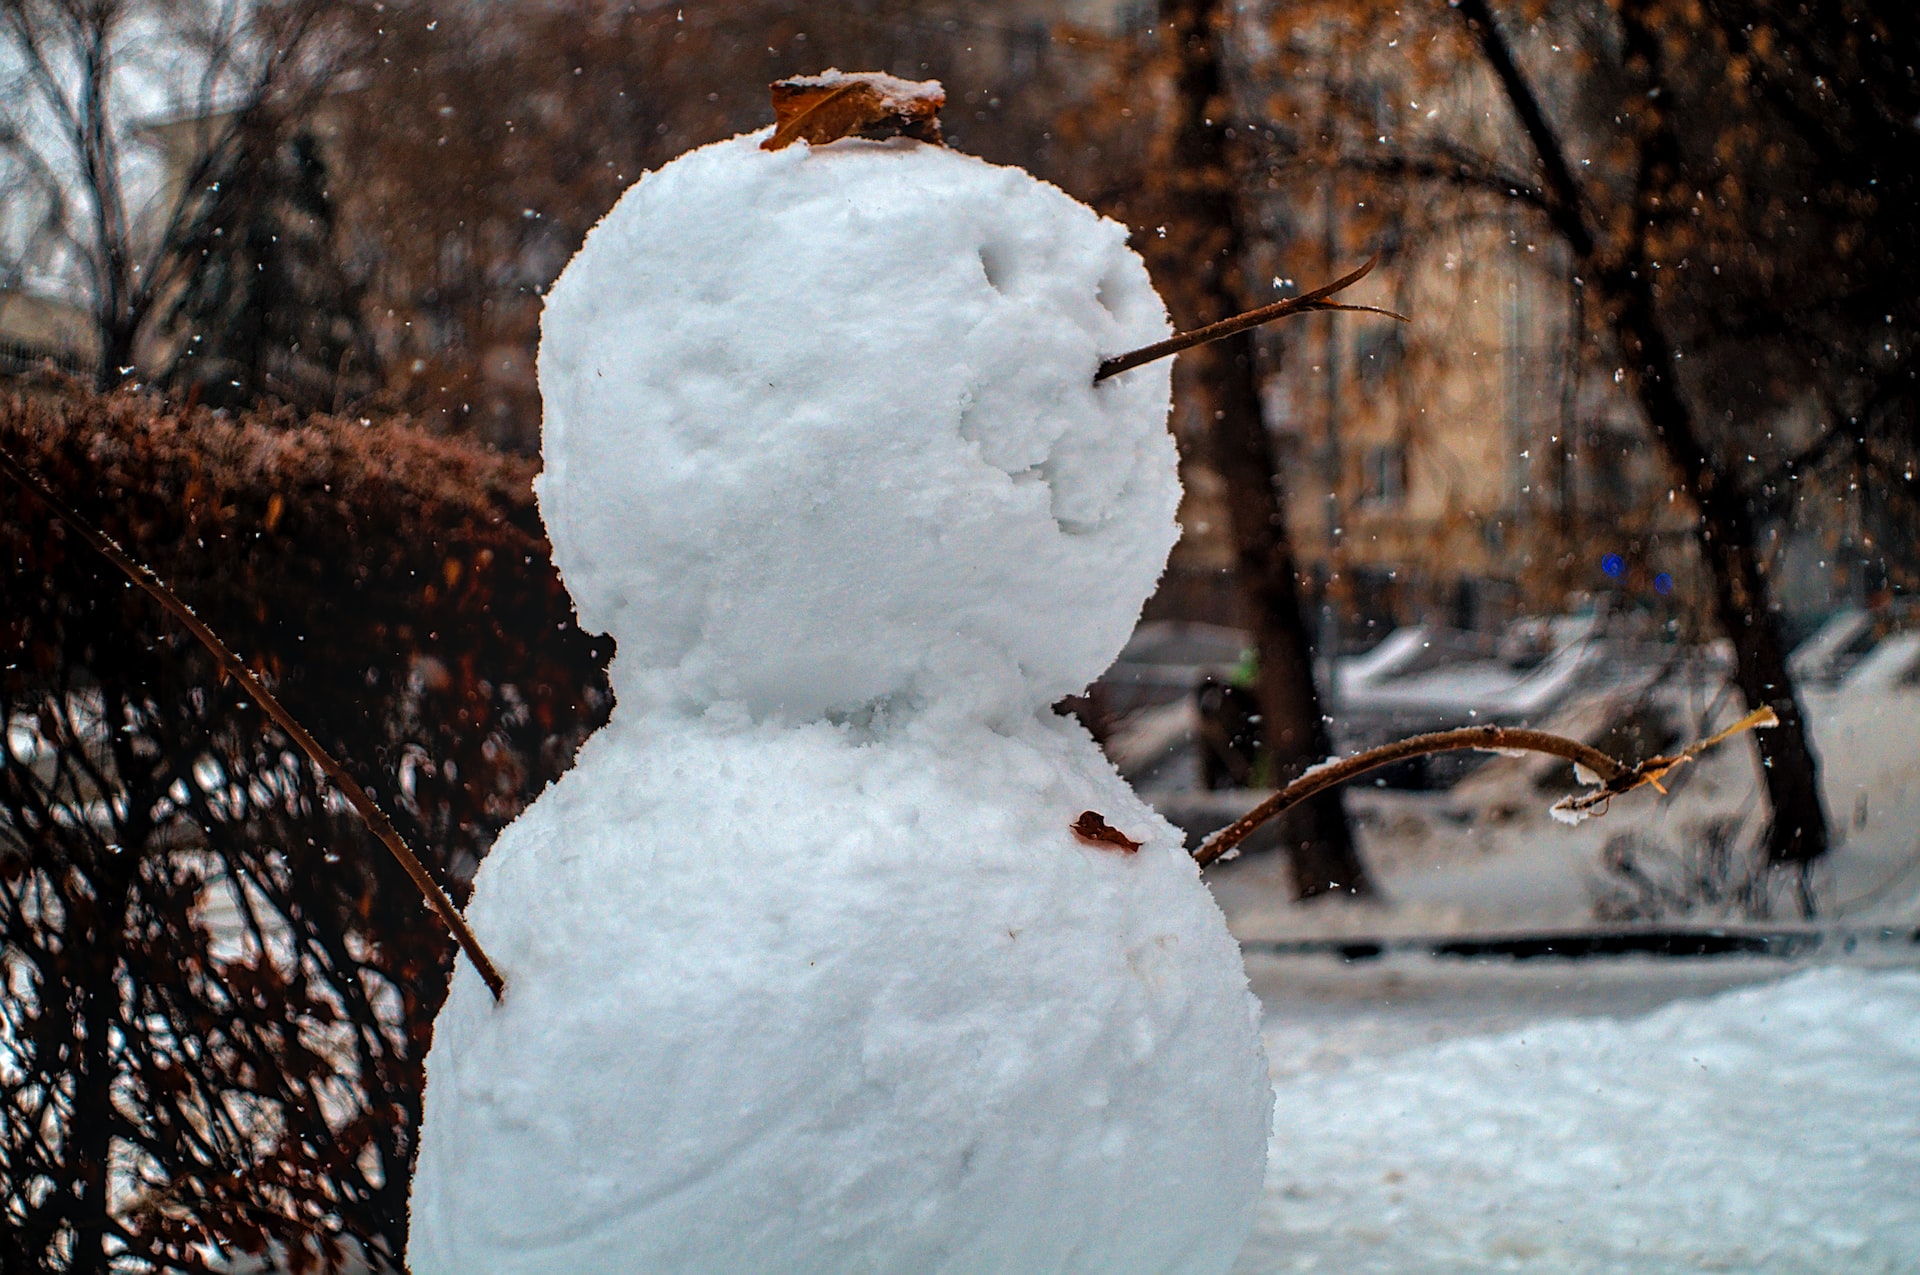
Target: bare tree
(103, 206)
(1624, 283)
(1203, 264)
(1725, 187)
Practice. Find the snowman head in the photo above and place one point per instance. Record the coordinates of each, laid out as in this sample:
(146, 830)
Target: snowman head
(821, 431)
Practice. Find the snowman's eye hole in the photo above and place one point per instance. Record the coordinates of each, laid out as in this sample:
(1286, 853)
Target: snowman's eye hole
(1111, 292)
(994, 265)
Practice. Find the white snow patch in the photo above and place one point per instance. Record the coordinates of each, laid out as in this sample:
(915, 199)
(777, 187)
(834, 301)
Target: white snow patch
(1320, 767)
(892, 87)
(1569, 814)
(1771, 1129)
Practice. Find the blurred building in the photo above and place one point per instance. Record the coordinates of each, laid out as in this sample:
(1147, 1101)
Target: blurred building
(1460, 469)
(1465, 468)
(1472, 472)
(38, 328)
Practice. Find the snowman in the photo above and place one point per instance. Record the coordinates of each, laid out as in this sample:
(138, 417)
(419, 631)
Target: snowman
(813, 964)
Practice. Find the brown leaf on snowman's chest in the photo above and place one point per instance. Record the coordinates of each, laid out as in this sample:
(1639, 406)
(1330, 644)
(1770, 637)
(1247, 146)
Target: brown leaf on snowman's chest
(1096, 831)
(818, 109)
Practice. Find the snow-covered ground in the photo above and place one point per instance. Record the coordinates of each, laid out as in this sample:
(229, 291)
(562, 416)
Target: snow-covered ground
(1606, 1115)
(1451, 1116)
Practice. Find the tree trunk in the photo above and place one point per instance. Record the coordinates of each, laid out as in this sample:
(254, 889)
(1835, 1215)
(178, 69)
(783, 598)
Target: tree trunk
(1798, 831)
(116, 337)
(1316, 833)
(1210, 248)
(94, 1118)
(90, 1127)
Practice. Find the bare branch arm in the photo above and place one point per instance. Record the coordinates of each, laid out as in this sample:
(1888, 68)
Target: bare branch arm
(1327, 775)
(1306, 303)
(1615, 778)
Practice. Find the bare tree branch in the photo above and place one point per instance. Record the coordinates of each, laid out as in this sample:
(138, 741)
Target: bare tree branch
(1614, 776)
(1307, 303)
(1565, 202)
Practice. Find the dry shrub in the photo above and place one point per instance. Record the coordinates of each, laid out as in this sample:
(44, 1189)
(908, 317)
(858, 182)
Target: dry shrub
(219, 988)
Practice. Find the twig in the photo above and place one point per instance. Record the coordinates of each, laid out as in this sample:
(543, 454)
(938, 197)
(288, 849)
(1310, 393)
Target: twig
(1328, 774)
(1614, 777)
(376, 818)
(1654, 769)
(1306, 303)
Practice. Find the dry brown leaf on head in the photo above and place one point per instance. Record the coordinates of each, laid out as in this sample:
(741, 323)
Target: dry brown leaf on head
(1091, 828)
(823, 108)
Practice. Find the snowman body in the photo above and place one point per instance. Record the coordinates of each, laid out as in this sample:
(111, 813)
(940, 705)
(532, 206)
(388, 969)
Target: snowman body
(806, 970)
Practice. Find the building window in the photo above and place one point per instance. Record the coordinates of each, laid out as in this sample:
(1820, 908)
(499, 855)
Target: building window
(1383, 476)
(1378, 353)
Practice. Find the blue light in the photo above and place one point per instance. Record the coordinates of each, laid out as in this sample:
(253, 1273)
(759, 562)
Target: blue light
(1614, 565)
(1663, 583)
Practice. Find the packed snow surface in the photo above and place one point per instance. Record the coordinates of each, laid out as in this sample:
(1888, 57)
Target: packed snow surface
(1775, 1128)
(805, 970)
(821, 427)
(787, 1000)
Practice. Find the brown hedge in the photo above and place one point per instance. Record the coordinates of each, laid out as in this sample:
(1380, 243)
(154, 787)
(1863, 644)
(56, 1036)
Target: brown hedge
(223, 988)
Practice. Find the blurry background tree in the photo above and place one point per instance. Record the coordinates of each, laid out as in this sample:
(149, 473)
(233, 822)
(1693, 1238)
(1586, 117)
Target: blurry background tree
(1201, 257)
(107, 201)
(1730, 188)
(266, 308)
